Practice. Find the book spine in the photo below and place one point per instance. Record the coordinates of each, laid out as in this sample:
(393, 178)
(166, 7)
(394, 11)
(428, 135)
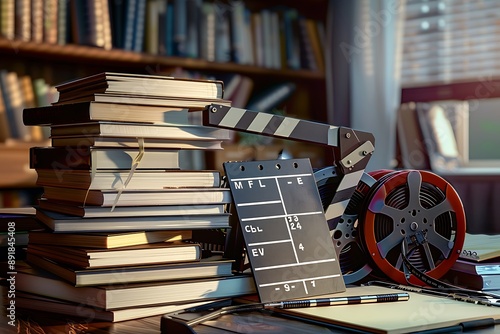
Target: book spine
(180, 28)
(4, 121)
(55, 114)
(50, 21)
(193, 8)
(128, 34)
(62, 22)
(8, 18)
(14, 104)
(37, 20)
(139, 26)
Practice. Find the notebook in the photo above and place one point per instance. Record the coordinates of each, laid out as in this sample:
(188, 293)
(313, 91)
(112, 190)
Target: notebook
(420, 313)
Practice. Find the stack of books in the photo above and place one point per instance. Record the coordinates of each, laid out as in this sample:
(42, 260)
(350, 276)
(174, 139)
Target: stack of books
(119, 208)
(478, 267)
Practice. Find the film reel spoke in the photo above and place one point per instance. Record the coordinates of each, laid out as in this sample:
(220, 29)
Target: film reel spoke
(379, 207)
(428, 256)
(388, 243)
(444, 245)
(439, 209)
(414, 183)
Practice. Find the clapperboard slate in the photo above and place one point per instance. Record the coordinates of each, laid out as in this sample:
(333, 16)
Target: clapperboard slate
(285, 230)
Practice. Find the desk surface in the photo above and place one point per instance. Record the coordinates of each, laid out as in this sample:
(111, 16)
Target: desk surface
(48, 323)
(251, 322)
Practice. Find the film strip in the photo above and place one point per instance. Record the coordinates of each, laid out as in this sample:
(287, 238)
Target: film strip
(370, 215)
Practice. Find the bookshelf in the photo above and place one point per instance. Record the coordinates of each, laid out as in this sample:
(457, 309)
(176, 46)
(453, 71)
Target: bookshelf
(59, 62)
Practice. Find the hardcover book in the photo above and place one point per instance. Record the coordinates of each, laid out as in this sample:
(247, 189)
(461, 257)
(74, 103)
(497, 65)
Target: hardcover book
(134, 143)
(97, 111)
(193, 104)
(481, 247)
(95, 211)
(479, 282)
(159, 252)
(134, 274)
(120, 179)
(138, 130)
(88, 157)
(28, 301)
(137, 84)
(135, 294)
(477, 268)
(109, 198)
(64, 223)
(107, 240)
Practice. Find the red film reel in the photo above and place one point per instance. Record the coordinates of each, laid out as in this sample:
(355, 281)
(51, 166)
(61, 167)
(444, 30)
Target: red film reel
(419, 209)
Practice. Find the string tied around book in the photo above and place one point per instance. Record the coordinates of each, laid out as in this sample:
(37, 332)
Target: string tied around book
(135, 163)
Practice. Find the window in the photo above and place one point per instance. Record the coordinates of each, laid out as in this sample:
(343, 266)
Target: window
(449, 41)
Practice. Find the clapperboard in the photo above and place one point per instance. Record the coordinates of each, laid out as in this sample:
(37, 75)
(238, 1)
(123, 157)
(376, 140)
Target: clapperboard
(284, 227)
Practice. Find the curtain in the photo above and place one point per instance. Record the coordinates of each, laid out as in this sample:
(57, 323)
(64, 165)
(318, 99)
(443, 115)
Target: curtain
(365, 49)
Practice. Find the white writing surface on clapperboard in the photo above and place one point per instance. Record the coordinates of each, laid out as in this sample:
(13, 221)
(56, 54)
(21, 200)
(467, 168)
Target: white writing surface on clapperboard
(284, 227)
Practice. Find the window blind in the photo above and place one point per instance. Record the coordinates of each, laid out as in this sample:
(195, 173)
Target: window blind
(448, 41)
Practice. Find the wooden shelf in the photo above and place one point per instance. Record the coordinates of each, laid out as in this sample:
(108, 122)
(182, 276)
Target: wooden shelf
(115, 58)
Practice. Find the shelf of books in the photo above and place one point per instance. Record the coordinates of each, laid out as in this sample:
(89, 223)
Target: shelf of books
(269, 54)
(118, 227)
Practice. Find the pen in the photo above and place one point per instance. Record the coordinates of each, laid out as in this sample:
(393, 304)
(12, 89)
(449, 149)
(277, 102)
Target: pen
(176, 326)
(380, 298)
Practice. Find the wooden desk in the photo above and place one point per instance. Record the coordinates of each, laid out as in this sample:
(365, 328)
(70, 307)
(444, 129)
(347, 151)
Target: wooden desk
(247, 322)
(49, 323)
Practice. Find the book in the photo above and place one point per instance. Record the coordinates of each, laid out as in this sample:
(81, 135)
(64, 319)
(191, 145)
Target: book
(4, 120)
(478, 268)
(94, 211)
(118, 296)
(480, 247)
(414, 153)
(33, 302)
(28, 92)
(313, 34)
(193, 104)
(154, 253)
(107, 240)
(19, 219)
(49, 25)
(8, 19)
(441, 313)
(63, 223)
(108, 198)
(134, 143)
(97, 158)
(37, 20)
(271, 97)
(117, 179)
(19, 238)
(62, 22)
(133, 274)
(139, 26)
(81, 112)
(144, 85)
(138, 130)
(14, 104)
(482, 282)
